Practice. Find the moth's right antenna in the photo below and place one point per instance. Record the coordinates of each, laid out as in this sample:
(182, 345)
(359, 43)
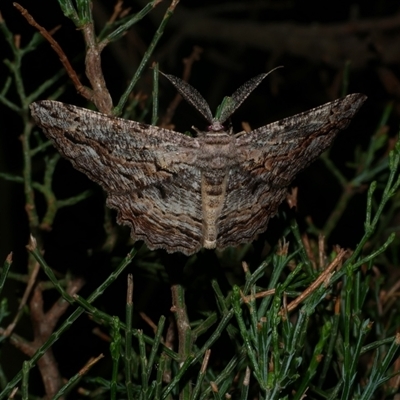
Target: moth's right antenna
(240, 95)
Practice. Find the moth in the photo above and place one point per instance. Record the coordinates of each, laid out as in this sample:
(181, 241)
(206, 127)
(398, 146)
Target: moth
(183, 193)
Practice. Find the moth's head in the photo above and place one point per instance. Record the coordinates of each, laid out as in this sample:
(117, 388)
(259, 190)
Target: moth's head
(216, 126)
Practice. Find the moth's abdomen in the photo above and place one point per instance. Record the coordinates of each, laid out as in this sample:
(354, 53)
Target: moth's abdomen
(213, 192)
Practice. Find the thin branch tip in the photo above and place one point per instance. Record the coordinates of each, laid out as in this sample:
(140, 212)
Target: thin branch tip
(9, 258)
(32, 246)
(397, 339)
(21, 9)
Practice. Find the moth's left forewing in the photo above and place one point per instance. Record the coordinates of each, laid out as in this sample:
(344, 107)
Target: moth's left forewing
(149, 173)
(140, 152)
(281, 149)
(267, 160)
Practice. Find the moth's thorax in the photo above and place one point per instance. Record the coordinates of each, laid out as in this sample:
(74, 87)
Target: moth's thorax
(217, 137)
(217, 151)
(214, 137)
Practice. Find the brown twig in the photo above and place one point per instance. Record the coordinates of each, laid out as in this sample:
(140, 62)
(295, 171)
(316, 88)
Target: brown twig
(283, 247)
(90, 364)
(127, 52)
(81, 89)
(43, 326)
(100, 334)
(390, 297)
(27, 292)
(324, 277)
(129, 290)
(258, 295)
(247, 375)
(321, 250)
(206, 359)
(13, 393)
(169, 342)
(149, 321)
(99, 93)
(185, 336)
(101, 96)
(246, 126)
(181, 318)
(118, 10)
(310, 253)
(245, 267)
(291, 197)
(170, 335)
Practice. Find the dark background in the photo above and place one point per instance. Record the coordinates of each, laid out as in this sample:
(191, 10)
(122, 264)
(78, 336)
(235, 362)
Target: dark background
(313, 40)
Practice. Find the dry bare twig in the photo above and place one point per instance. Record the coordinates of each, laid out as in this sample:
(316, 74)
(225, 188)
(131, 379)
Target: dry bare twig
(324, 277)
(43, 326)
(81, 89)
(99, 93)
